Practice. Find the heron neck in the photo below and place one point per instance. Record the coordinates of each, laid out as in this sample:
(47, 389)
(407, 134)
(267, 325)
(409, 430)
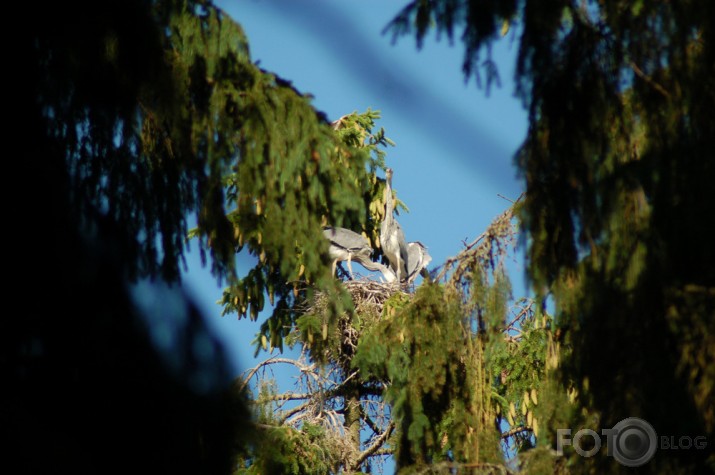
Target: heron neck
(389, 206)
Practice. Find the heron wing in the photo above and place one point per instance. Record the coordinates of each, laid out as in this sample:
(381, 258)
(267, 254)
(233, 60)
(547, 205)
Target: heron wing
(346, 239)
(413, 256)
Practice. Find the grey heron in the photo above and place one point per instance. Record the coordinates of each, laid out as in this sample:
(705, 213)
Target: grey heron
(392, 239)
(347, 245)
(418, 259)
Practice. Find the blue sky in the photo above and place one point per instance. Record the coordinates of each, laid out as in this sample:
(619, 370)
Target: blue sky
(454, 145)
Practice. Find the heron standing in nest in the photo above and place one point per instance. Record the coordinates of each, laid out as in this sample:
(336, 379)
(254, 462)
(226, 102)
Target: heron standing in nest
(418, 259)
(347, 245)
(392, 239)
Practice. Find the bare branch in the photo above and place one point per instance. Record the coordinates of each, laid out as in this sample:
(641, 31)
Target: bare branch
(468, 252)
(520, 315)
(283, 397)
(516, 430)
(639, 72)
(291, 412)
(382, 453)
(375, 445)
(437, 467)
(294, 420)
(505, 198)
(368, 421)
(243, 382)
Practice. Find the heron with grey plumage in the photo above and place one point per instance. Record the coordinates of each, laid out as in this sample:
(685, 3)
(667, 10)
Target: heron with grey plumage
(392, 238)
(348, 246)
(418, 259)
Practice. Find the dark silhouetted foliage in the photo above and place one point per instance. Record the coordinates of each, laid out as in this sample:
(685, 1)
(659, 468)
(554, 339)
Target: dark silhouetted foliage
(618, 171)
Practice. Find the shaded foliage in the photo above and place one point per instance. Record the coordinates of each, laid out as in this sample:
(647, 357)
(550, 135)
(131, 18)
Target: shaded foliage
(617, 169)
(108, 164)
(162, 118)
(138, 114)
(158, 117)
(88, 389)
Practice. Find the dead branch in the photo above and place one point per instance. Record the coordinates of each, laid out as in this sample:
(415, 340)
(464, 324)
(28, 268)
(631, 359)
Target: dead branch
(242, 382)
(639, 72)
(472, 250)
(368, 421)
(317, 388)
(375, 445)
(524, 312)
(516, 430)
(283, 397)
(291, 412)
(382, 453)
(451, 466)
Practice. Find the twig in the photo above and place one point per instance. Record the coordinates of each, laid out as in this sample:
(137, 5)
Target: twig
(505, 198)
(273, 360)
(648, 79)
(436, 467)
(368, 421)
(382, 453)
(524, 312)
(283, 397)
(334, 420)
(465, 253)
(516, 430)
(451, 260)
(291, 412)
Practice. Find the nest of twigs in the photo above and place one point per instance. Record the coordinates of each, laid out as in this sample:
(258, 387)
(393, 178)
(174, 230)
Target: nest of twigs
(369, 297)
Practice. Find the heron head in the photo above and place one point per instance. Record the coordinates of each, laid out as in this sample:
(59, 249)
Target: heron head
(388, 174)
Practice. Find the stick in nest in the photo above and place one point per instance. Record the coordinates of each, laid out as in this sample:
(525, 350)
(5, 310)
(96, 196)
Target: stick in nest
(365, 293)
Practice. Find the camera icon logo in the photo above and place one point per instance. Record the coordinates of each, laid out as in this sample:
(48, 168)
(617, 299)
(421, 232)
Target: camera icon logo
(632, 442)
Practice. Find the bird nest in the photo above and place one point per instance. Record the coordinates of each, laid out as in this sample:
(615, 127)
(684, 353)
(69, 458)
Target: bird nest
(369, 298)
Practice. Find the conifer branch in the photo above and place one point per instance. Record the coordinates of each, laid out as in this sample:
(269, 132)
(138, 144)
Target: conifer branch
(267, 426)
